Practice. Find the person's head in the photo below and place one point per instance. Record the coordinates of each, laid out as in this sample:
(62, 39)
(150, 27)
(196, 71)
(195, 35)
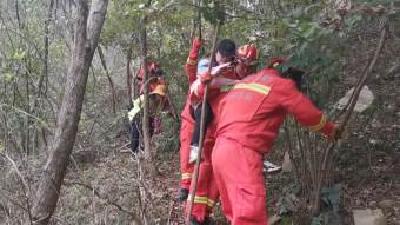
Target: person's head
(157, 95)
(295, 74)
(153, 70)
(159, 90)
(225, 51)
(248, 57)
(202, 66)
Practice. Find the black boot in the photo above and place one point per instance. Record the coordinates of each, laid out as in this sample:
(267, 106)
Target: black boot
(182, 195)
(193, 221)
(209, 221)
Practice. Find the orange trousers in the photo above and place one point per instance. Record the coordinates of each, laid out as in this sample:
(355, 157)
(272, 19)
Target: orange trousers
(185, 136)
(207, 191)
(240, 180)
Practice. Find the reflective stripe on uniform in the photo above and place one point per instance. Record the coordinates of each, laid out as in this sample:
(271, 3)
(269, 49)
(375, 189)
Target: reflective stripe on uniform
(186, 176)
(320, 125)
(259, 88)
(225, 88)
(202, 200)
(210, 203)
(190, 61)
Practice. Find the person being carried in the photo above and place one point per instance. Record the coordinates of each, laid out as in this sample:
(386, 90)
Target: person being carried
(230, 67)
(196, 104)
(225, 72)
(245, 63)
(206, 192)
(187, 124)
(193, 68)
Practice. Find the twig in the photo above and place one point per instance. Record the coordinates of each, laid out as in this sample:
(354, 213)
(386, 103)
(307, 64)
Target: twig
(361, 82)
(25, 189)
(356, 93)
(16, 109)
(108, 201)
(13, 201)
(142, 192)
(171, 105)
(170, 212)
(105, 198)
(123, 146)
(20, 176)
(110, 81)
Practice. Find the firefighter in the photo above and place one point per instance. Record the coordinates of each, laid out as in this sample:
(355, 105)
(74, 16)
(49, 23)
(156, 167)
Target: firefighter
(229, 69)
(154, 76)
(245, 63)
(207, 192)
(187, 124)
(250, 117)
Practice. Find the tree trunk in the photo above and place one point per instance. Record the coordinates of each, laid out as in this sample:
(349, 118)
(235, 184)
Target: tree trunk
(145, 121)
(44, 75)
(129, 76)
(110, 81)
(86, 38)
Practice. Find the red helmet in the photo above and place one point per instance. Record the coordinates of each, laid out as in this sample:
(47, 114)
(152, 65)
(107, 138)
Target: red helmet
(153, 69)
(248, 54)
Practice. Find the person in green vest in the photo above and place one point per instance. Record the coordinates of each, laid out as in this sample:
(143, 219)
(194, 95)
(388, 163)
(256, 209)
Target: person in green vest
(157, 103)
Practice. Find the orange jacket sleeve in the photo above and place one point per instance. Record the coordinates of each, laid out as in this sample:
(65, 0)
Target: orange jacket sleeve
(303, 109)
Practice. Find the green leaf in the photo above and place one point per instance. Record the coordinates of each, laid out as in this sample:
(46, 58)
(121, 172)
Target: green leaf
(9, 77)
(19, 55)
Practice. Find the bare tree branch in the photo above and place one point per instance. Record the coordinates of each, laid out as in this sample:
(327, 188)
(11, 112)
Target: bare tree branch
(106, 199)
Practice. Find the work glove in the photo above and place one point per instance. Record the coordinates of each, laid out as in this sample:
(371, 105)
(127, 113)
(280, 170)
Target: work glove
(194, 89)
(194, 152)
(131, 115)
(338, 132)
(335, 133)
(215, 71)
(194, 52)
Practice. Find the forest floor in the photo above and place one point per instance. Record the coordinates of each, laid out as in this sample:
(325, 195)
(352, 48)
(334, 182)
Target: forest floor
(368, 181)
(104, 188)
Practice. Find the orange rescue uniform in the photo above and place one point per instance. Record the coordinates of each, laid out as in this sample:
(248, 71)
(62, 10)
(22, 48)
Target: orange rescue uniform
(249, 119)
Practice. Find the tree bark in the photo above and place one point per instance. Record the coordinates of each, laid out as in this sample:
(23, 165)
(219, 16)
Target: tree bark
(44, 75)
(129, 76)
(86, 38)
(110, 81)
(143, 57)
